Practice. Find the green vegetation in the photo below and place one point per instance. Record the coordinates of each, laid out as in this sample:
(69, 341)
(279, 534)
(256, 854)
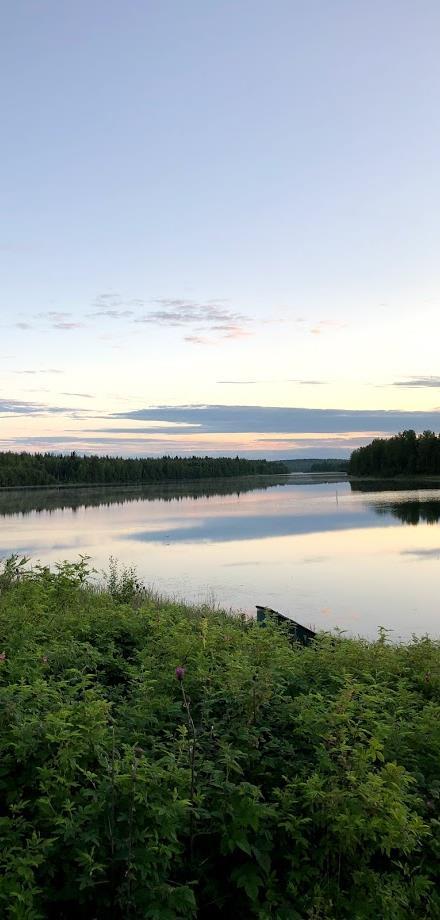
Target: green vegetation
(56, 469)
(330, 466)
(405, 454)
(311, 465)
(160, 761)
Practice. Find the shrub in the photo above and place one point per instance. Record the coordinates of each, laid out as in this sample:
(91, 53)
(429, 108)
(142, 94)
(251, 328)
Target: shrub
(163, 761)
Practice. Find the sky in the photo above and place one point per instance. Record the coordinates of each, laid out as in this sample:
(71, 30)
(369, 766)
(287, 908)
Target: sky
(220, 225)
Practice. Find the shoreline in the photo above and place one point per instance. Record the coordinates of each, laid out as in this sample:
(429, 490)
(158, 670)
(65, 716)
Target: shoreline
(404, 477)
(132, 486)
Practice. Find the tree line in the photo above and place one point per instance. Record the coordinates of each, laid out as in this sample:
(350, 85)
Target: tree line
(405, 453)
(48, 469)
(329, 466)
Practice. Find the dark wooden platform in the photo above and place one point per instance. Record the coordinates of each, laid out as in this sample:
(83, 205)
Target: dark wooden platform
(297, 632)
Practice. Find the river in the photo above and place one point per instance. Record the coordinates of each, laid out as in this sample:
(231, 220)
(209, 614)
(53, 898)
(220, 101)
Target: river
(329, 554)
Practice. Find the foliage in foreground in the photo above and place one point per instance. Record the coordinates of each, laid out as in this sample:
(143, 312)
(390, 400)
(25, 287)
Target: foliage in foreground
(258, 780)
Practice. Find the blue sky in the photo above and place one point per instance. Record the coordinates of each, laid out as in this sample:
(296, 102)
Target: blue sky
(224, 203)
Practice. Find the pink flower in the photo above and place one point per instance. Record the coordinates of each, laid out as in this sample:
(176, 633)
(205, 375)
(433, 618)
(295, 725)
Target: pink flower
(180, 673)
(2, 656)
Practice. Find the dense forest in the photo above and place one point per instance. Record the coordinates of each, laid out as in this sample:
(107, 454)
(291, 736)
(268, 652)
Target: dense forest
(48, 469)
(404, 454)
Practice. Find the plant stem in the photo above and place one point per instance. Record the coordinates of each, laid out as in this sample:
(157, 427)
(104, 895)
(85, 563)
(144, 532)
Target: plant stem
(192, 758)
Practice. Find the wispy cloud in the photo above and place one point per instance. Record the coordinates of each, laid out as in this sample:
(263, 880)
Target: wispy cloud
(56, 319)
(82, 395)
(274, 381)
(307, 383)
(22, 407)
(212, 317)
(206, 323)
(111, 313)
(113, 306)
(198, 340)
(114, 301)
(43, 370)
(409, 382)
(422, 553)
(181, 445)
(54, 316)
(327, 325)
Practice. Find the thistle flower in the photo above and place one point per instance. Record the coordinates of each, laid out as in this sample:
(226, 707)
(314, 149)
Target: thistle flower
(180, 673)
(2, 656)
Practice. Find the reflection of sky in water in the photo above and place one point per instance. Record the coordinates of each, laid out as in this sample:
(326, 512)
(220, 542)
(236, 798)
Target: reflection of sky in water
(322, 553)
(255, 527)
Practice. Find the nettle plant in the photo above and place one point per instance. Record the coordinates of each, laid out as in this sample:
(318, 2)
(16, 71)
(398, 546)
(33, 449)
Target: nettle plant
(163, 761)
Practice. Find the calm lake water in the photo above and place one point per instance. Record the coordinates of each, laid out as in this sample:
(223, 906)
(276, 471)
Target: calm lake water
(328, 554)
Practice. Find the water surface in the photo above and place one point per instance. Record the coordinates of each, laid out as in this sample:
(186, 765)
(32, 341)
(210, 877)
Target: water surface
(329, 554)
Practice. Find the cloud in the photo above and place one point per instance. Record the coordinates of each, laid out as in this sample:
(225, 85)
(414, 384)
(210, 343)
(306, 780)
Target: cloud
(57, 320)
(198, 340)
(114, 301)
(274, 419)
(211, 317)
(48, 370)
(261, 380)
(82, 395)
(417, 382)
(232, 331)
(198, 318)
(206, 323)
(422, 553)
(158, 446)
(112, 306)
(345, 442)
(111, 313)
(252, 431)
(21, 407)
(54, 316)
(307, 383)
(327, 325)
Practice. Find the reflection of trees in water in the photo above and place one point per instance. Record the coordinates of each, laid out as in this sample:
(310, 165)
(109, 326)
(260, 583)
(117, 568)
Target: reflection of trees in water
(392, 485)
(27, 500)
(412, 512)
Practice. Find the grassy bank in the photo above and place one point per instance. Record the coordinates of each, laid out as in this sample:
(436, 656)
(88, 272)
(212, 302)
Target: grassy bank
(260, 779)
